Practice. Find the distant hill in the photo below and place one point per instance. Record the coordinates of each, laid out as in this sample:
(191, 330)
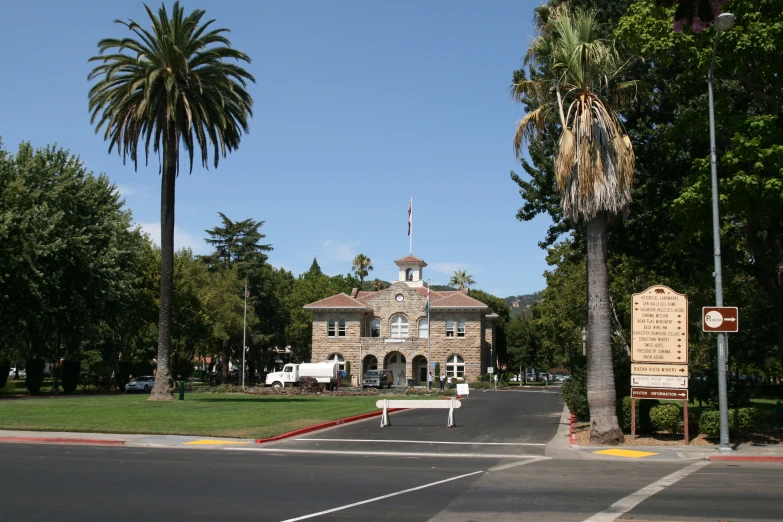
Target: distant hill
(519, 304)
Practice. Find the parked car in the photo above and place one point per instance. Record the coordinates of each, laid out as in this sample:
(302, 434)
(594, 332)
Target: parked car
(143, 383)
(378, 379)
(12, 373)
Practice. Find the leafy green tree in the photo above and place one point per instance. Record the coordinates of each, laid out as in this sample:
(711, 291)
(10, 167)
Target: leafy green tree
(171, 85)
(362, 266)
(377, 285)
(593, 167)
(461, 279)
(68, 256)
(237, 242)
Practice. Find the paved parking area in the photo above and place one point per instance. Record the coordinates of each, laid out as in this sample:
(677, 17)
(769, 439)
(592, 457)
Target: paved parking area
(529, 421)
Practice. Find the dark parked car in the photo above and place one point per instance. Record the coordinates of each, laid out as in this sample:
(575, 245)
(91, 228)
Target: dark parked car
(378, 379)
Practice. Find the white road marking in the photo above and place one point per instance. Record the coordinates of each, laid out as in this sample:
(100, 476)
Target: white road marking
(515, 464)
(626, 504)
(381, 497)
(380, 453)
(431, 442)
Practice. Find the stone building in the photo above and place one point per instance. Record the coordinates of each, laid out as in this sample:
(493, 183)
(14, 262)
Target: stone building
(389, 329)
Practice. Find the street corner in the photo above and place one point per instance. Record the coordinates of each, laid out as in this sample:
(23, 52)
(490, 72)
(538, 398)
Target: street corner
(628, 453)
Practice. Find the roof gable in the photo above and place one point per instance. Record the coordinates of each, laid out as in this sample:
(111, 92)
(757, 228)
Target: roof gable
(337, 301)
(457, 300)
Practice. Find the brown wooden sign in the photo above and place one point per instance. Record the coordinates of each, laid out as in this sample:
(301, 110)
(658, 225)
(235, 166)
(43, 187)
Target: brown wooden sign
(659, 393)
(720, 319)
(659, 326)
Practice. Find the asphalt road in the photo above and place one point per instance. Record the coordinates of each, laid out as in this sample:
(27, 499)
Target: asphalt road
(70, 483)
(492, 466)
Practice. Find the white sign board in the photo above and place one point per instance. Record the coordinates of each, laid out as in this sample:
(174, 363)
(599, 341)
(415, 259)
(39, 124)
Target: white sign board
(463, 389)
(659, 381)
(490, 370)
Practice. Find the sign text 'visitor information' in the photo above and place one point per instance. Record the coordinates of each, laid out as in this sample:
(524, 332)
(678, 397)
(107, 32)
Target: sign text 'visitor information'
(659, 326)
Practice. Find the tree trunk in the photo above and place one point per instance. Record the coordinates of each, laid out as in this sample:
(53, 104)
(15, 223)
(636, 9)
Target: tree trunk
(162, 389)
(600, 375)
(226, 347)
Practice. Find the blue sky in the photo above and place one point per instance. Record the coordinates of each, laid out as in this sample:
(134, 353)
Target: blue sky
(359, 106)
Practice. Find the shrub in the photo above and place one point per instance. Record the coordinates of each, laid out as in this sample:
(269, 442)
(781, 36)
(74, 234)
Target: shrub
(35, 368)
(480, 385)
(666, 417)
(437, 369)
(643, 407)
(70, 375)
(5, 369)
(575, 394)
(348, 369)
(741, 421)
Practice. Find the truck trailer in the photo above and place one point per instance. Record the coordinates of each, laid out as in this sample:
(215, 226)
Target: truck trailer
(326, 373)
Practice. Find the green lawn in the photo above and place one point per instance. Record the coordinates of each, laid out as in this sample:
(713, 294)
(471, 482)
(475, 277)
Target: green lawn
(216, 415)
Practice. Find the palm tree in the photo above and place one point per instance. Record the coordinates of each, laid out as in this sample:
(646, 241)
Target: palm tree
(593, 168)
(362, 265)
(377, 285)
(461, 279)
(170, 86)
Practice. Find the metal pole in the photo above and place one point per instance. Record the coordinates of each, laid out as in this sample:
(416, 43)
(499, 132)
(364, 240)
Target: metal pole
(722, 395)
(244, 336)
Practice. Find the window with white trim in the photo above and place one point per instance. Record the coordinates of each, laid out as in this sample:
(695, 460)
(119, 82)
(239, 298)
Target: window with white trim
(375, 328)
(336, 357)
(331, 328)
(455, 366)
(424, 329)
(341, 328)
(399, 326)
(449, 327)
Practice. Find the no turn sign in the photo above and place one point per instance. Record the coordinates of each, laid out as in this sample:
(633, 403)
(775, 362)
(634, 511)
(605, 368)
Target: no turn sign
(720, 319)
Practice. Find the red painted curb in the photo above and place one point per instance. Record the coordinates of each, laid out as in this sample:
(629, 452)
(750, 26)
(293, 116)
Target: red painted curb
(745, 458)
(325, 425)
(61, 440)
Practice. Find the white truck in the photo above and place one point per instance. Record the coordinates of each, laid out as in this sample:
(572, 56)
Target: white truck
(325, 373)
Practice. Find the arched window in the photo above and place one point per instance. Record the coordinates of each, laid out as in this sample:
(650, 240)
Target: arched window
(399, 326)
(341, 328)
(375, 328)
(330, 328)
(409, 274)
(455, 366)
(370, 363)
(336, 357)
(424, 328)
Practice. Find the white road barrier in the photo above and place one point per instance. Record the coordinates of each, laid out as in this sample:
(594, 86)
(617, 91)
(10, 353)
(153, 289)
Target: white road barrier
(451, 404)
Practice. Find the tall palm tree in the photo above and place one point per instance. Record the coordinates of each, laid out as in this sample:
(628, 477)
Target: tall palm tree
(170, 86)
(461, 279)
(362, 265)
(593, 168)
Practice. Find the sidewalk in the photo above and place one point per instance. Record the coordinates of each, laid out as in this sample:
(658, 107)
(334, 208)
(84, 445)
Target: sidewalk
(561, 444)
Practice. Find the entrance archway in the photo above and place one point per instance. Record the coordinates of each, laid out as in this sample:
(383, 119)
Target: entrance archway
(395, 361)
(370, 363)
(419, 368)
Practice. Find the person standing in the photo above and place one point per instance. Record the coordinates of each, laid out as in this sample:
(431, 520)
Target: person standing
(442, 381)
(449, 381)
(496, 381)
(429, 381)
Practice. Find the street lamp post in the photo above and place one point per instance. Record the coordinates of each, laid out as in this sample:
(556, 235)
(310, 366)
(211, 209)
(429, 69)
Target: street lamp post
(723, 22)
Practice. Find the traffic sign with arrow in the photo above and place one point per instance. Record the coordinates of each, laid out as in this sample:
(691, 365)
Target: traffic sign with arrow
(720, 319)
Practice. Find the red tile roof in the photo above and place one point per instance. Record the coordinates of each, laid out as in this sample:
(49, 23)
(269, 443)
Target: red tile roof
(456, 300)
(337, 301)
(410, 260)
(365, 295)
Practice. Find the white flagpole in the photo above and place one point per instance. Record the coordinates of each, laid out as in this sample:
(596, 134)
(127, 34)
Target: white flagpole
(429, 330)
(410, 219)
(244, 336)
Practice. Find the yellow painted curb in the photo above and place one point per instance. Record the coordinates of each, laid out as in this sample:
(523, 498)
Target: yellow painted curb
(631, 454)
(207, 441)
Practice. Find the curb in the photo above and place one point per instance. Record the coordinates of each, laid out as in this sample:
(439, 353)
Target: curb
(63, 440)
(325, 425)
(745, 458)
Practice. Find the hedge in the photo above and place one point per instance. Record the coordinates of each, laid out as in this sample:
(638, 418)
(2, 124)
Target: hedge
(70, 377)
(666, 417)
(643, 407)
(5, 369)
(34, 378)
(741, 421)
